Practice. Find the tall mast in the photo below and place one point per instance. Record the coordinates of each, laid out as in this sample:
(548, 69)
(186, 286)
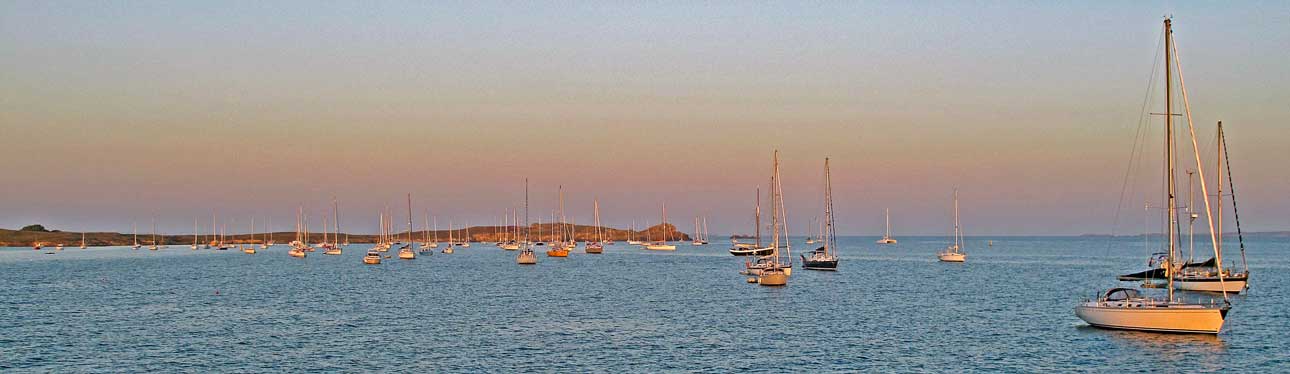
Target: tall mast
(958, 245)
(411, 244)
(828, 209)
(335, 214)
(526, 213)
(757, 219)
(1169, 155)
(888, 214)
(1218, 213)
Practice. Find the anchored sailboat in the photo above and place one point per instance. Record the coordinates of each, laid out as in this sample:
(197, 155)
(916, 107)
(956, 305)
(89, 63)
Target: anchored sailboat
(752, 249)
(824, 258)
(560, 244)
(526, 255)
(954, 252)
(597, 246)
(1124, 308)
(772, 270)
(886, 237)
(662, 245)
(408, 251)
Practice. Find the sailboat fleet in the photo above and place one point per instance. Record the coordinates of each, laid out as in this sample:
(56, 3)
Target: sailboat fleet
(768, 261)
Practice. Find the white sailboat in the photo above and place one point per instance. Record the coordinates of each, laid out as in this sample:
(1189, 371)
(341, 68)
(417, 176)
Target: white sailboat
(597, 246)
(134, 228)
(954, 252)
(886, 237)
(662, 245)
(154, 245)
(631, 237)
(408, 251)
(1205, 276)
(1123, 308)
(83, 241)
(526, 255)
(772, 270)
(194, 246)
(249, 247)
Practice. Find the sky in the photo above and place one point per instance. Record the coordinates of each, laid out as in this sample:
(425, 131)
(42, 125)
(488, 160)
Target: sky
(112, 113)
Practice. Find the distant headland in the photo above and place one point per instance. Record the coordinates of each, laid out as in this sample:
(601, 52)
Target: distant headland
(33, 234)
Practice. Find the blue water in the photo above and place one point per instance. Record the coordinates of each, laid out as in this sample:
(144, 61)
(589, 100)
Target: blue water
(889, 308)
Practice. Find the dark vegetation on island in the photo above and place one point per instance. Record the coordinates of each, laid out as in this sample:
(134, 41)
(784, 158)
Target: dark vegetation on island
(32, 234)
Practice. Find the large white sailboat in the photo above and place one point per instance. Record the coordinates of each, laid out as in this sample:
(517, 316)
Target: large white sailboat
(954, 252)
(886, 236)
(1123, 308)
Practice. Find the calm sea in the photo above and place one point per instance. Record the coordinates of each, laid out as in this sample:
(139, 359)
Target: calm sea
(889, 309)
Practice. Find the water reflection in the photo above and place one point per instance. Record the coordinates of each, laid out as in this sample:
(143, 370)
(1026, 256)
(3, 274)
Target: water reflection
(1197, 349)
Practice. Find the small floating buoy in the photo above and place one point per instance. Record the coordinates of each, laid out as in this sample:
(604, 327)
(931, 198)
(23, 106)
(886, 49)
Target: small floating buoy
(216, 292)
(752, 279)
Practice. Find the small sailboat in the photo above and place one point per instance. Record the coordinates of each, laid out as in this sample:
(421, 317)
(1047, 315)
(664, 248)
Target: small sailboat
(425, 247)
(597, 246)
(663, 244)
(560, 246)
(755, 248)
(824, 258)
(133, 227)
(195, 241)
(334, 249)
(811, 239)
(770, 270)
(449, 249)
(954, 252)
(526, 255)
(631, 237)
(465, 239)
(249, 248)
(700, 231)
(301, 244)
(886, 237)
(1124, 308)
(83, 241)
(408, 252)
(154, 246)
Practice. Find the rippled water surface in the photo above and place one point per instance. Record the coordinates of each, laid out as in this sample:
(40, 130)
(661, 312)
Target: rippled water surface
(889, 308)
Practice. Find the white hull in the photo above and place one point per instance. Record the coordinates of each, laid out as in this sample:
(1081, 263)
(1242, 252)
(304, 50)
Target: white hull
(634, 242)
(1136, 315)
(407, 255)
(886, 241)
(952, 257)
(1228, 285)
(661, 247)
(526, 258)
(773, 279)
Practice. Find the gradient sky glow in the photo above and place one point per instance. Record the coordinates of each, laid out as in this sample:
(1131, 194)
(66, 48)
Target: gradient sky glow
(111, 111)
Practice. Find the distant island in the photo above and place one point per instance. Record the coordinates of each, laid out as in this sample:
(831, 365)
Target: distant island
(32, 234)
